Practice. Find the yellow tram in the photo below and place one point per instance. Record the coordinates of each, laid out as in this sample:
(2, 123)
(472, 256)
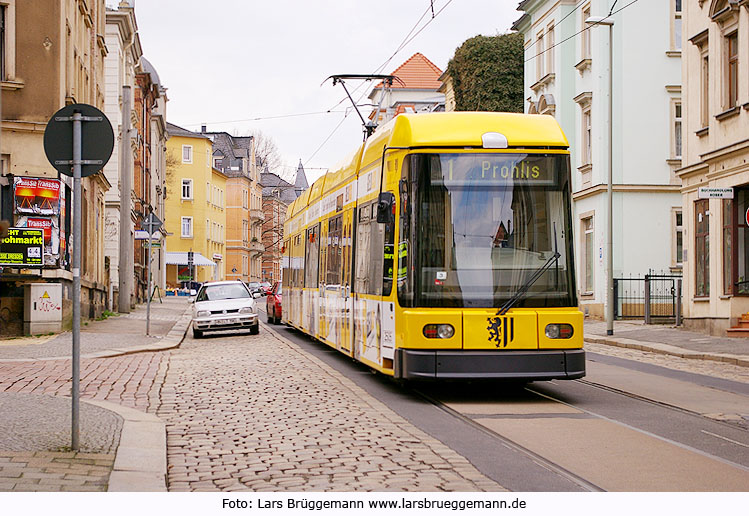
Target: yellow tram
(442, 249)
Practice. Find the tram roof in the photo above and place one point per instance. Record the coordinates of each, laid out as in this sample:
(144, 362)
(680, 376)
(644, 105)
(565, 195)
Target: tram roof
(453, 129)
(466, 128)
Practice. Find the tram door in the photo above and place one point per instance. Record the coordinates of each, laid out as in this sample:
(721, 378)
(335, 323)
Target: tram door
(346, 301)
(333, 300)
(322, 328)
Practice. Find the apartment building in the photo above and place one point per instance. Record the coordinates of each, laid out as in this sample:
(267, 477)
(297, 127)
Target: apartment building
(715, 175)
(567, 70)
(195, 210)
(235, 157)
(52, 55)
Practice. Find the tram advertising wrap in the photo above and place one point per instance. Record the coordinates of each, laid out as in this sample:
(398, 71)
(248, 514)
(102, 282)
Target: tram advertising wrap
(432, 252)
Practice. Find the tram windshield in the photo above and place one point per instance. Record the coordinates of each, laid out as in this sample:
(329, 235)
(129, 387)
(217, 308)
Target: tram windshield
(474, 228)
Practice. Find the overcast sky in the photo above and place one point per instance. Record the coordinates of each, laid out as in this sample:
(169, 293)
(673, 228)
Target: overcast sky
(227, 62)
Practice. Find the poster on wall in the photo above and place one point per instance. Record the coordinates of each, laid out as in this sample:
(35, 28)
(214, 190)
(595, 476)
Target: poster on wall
(51, 229)
(36, 196)
(22, 247)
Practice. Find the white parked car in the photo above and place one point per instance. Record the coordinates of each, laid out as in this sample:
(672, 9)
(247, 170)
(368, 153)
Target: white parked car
(224, 305)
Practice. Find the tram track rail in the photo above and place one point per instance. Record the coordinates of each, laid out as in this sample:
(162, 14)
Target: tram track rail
(582, 482)
(535, 457)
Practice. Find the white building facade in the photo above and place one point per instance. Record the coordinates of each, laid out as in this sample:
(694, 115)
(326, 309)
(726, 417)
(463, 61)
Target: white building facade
(567, 76)
(120, 64)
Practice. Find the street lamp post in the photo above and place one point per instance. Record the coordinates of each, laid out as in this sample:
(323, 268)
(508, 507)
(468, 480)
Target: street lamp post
(590, 22)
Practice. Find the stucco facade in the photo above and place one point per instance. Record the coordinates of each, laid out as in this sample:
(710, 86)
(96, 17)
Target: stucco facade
(123, 44)
(195, 206)
(59, 62)
(567, 76)
(234, 156)
(716, 144)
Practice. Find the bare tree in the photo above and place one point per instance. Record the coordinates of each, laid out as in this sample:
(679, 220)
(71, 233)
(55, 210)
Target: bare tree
(172, 162)
(266, 152)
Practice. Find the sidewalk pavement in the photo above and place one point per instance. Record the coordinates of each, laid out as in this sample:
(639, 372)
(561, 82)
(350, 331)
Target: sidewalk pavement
(121, 447)
(113, 336)
(669, 340)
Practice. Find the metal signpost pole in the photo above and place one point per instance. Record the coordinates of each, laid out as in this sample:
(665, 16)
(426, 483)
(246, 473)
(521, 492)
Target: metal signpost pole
(76, 276)
(63, 144)
(149, 228)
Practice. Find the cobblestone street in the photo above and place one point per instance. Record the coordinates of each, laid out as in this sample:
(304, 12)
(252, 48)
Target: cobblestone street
(255, 413)
(242, 413)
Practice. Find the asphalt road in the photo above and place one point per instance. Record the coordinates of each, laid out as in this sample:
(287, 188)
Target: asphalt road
(628, 426)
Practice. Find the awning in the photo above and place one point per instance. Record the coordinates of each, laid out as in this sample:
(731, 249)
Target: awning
(178, 258)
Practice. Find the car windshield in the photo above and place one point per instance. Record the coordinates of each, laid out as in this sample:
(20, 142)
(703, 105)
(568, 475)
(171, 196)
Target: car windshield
(218, 292)
(265, 284)
(253, 284)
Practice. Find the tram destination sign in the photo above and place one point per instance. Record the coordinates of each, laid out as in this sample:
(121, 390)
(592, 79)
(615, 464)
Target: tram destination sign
(22, 247)
(705, 192)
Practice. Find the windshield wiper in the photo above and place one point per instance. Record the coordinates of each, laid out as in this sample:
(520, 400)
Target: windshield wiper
(528, 284)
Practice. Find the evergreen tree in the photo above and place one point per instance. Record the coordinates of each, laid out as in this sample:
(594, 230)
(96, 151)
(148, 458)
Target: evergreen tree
(487, 73)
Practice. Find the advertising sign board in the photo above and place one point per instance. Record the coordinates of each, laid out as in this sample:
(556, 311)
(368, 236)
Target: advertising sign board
(22, 247)
(36, 196)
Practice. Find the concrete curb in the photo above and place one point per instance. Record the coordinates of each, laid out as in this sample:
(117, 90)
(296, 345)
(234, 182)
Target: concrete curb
(666, 349)
(170, 341)
(140, 461)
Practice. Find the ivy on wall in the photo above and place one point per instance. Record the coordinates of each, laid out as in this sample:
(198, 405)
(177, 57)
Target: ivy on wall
(487, 74)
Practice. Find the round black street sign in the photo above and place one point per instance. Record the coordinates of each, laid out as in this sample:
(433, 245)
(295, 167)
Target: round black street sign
(97, 140)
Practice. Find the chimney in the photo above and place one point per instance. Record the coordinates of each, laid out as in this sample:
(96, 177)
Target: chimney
(203, 128)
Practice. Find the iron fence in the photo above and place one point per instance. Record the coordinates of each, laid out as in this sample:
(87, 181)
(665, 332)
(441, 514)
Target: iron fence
(655, 298)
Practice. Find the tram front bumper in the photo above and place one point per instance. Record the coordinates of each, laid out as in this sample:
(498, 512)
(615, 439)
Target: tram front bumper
(418, 364)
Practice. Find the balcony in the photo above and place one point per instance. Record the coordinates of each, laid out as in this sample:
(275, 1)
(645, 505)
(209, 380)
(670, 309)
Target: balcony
(257, 247)
(257, 216)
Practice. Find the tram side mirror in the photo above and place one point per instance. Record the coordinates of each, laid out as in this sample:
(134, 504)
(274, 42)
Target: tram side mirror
(385, 208)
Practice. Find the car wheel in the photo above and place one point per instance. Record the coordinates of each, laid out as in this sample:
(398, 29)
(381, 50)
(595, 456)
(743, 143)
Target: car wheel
(197, 333)
(254, 330)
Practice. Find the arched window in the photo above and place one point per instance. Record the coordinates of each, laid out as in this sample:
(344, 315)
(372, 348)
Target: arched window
(546, 104)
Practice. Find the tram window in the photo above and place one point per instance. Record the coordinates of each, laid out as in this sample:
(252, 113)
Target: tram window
(375, 257)
(405, 265)
(312, 247)
(388, 252)
(334, 245)
(286, 278)
(374, 253)
(363, 250)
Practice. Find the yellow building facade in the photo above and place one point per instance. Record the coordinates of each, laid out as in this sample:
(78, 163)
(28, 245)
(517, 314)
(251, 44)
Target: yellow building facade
(195, 209)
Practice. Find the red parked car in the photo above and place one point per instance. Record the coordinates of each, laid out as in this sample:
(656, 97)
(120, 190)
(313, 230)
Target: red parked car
(273, 304)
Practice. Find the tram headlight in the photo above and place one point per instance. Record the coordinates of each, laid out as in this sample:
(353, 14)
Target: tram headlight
(439, 331)
(559, 331)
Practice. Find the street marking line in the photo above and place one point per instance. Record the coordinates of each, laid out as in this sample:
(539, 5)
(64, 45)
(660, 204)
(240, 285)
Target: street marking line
(724, 438)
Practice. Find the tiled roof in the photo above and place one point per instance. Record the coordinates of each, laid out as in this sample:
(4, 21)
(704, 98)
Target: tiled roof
(231, 150)
(175, 130)
(417, 73)
(274, 186)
